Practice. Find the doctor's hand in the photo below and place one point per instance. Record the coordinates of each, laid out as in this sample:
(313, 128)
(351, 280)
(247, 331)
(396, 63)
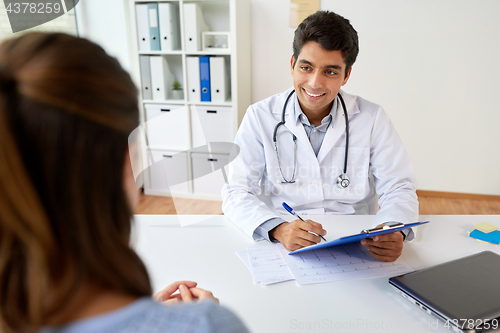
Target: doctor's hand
(386, 247)
(297, 234)
(187, 293)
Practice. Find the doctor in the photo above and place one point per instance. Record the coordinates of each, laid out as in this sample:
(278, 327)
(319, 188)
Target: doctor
(293, 150)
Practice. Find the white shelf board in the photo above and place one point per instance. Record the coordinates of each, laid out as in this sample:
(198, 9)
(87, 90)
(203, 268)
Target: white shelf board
(209, 52)
(161, 52)
(183, 102)
(167, 101)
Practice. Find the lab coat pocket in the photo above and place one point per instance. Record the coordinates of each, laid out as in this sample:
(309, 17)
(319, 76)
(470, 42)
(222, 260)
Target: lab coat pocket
(358, 166)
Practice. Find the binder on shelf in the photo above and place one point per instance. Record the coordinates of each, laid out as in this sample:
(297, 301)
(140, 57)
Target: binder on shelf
(145, 77)
(194, 25)
(154, 30)
(141, 12)
(206, 95)
(218, 79)
(193, 78)
(161, 77)
(169, 26)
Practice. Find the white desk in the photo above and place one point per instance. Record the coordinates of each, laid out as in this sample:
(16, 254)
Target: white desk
(204, 252)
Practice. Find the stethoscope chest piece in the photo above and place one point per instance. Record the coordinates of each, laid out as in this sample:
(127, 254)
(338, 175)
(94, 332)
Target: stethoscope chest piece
(343, 181)
(294, 181)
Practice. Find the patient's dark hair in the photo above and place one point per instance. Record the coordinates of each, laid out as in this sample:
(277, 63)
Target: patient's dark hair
(332, 32)
(66, 110)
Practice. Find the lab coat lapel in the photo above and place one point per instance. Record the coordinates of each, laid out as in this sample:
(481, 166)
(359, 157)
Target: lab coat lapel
(295, 126)
(337, 131)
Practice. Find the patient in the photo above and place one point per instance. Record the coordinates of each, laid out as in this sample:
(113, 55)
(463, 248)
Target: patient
(67, 195)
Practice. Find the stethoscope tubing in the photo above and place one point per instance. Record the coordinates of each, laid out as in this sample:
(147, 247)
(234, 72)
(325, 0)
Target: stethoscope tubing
(346, 154)
(282, 122)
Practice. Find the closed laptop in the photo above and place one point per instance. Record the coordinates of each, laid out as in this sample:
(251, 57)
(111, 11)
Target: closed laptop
(464, 293)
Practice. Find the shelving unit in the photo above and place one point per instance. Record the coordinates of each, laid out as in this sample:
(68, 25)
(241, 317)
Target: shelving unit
(186, 118)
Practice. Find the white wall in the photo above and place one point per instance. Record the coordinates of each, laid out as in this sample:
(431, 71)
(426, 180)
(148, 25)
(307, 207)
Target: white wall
(106, 23)
(432, 64)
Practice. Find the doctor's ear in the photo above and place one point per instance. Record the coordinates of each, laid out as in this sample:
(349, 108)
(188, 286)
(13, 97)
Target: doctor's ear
(292, 62)
(348, 75)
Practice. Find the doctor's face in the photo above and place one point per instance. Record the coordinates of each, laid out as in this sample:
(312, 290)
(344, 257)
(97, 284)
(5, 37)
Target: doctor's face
(317, 77)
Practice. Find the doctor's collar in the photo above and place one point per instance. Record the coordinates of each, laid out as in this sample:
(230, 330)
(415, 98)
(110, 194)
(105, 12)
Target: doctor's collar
(297, 112)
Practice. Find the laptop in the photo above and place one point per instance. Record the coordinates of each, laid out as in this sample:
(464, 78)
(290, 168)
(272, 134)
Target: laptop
(463, 293)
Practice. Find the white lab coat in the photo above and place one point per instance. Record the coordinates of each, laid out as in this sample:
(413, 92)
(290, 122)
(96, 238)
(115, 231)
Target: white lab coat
(378, 166)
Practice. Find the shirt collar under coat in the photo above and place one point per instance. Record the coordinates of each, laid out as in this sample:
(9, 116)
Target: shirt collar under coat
(300, 116)
(331, 136)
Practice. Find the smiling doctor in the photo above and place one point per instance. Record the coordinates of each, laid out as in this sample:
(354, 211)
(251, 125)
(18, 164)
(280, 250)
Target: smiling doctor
(320, 150)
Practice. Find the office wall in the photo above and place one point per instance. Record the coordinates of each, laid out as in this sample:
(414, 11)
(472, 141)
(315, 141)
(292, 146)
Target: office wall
(432, 64)
(106, 23)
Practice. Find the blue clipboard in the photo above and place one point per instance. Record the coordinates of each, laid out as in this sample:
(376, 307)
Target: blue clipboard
(356, 238)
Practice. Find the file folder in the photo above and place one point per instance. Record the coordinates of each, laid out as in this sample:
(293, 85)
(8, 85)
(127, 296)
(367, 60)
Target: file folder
(358, 237)
(206, 95)
(145, 77)
(169, 26)
(154, 30)
(193, 78)
(194, 25)
(218, 79)
(161, 78)
(141, 12)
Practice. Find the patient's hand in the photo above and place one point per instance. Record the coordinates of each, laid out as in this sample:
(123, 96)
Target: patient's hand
(187, 293)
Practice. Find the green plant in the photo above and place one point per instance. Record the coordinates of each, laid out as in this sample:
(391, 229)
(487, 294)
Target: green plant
(177, 85)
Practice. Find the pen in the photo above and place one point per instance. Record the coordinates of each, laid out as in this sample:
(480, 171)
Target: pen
(384, 227)
(291, 211)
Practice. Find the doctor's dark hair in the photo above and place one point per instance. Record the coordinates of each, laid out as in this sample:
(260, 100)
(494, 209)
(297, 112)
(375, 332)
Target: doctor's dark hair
(332, 32)
(66, 111)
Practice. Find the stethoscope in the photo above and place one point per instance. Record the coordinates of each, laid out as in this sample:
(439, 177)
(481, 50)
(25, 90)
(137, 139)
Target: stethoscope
(342, 180)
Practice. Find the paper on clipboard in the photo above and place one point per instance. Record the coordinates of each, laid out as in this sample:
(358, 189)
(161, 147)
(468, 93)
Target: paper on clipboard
(357, 237)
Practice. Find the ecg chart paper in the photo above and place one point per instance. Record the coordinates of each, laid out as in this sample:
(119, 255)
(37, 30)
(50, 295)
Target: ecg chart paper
(344, 262)
(267, 265)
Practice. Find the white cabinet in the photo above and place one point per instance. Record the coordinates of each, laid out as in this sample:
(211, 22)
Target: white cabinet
(211, 124)
(167, 126)
(204, 85)
(209, 173)
(168, 173)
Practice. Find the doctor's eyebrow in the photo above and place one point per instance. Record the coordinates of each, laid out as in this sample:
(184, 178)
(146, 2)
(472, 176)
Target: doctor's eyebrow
(303, 61)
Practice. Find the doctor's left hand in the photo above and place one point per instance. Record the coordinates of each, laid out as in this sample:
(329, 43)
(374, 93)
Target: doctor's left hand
(386, 247)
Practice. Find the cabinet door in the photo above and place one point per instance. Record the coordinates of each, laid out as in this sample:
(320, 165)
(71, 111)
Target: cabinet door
(169, 172)
(208, 177)
(167, 126)
(211, 124)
